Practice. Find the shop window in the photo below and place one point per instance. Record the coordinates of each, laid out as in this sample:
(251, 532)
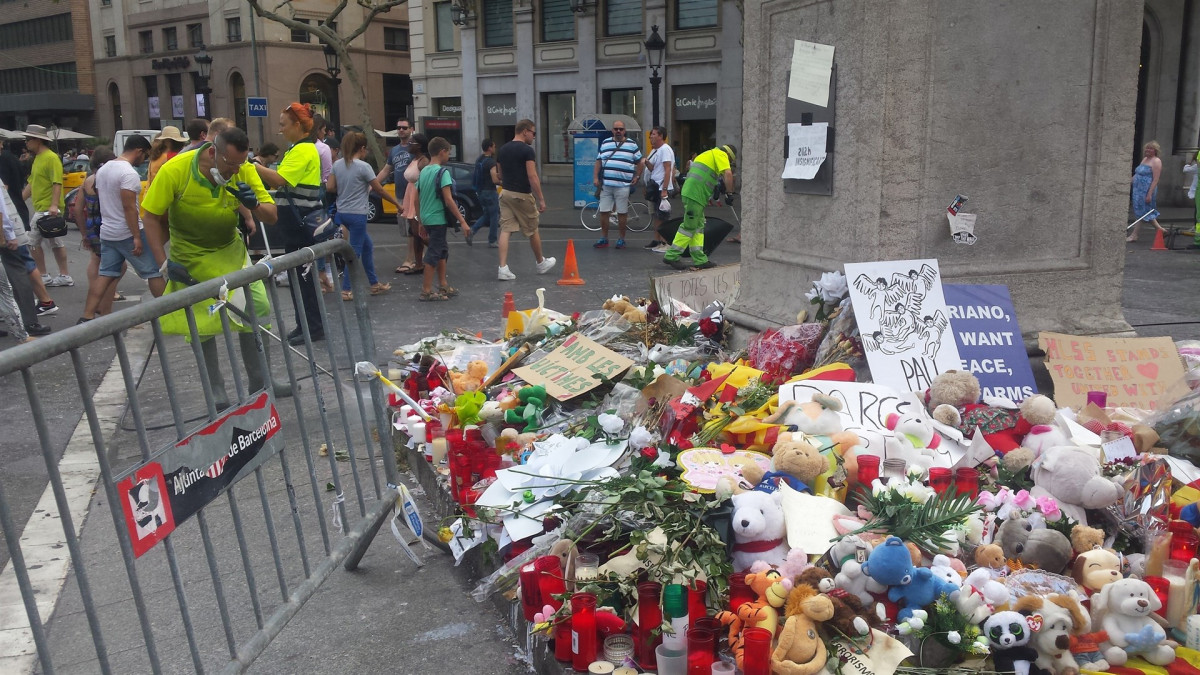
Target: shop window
(695, 14)
(623, 102)
(444, 26)
(395, 39)
(560, 110)
(623, 17)
(233, 29)
(299, 34)
(170, 39)
(497, 23)
(558, 21)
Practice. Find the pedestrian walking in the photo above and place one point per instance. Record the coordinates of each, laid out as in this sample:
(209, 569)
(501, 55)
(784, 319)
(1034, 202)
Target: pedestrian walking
(706, 170)
(122, 239)
(197, 131)
(88, 217)
(14, 175)
(484, 183)
(660, 183)
(522, 201)
(351, 180)
(9, 310)
(200, 191)
(326, 155)
(397, 162)
(168, 143)
(618, 168)
(46, 189)
(1143, 190)
(436, 193)
(418, 150)
(297, 186)
(21, 271)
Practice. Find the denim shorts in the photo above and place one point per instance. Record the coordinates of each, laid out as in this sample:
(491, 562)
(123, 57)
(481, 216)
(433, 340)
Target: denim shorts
(436, 250)
(27, 258)
(114, 253)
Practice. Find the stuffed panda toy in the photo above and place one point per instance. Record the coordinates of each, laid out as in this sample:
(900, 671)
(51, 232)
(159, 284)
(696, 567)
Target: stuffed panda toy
(1009, 635)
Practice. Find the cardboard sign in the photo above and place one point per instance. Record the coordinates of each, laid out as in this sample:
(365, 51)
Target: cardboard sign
(989, 340)
(883, 657)
(178, 481)
(700, 288)
(1134, 372)
(568, 371)
(864, 405)
(903, 320)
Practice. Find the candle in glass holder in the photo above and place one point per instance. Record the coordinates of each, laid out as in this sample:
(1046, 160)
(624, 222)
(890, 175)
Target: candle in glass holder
(583, 630)
(700, 645)
(676, 607)
(966, 481)
(756, 657)
(1184, 542)
(648, 635)
(894, 468)
(739, 592)
(531, 594)
(1100, 398)
(1162, 590)
(868, 470)
(550, 580)
(939, 479)
(697, 609)
(587, 568)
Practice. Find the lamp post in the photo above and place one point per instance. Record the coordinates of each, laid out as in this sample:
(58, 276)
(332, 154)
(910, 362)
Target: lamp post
(203, 72)
(333, 65)
(656, 47)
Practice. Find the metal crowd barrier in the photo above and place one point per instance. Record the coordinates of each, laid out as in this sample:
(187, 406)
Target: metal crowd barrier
(324, 414)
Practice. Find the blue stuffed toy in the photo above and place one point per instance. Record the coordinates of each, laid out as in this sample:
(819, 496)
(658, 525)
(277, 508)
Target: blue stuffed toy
(910, 587)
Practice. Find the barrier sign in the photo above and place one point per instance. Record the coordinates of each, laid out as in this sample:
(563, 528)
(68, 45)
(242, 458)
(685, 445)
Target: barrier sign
(180, 480)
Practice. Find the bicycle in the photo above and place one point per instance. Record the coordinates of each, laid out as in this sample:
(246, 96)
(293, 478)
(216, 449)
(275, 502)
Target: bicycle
(636, 220)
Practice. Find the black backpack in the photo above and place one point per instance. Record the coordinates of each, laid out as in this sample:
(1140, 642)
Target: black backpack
(478, 177)
(451, 218)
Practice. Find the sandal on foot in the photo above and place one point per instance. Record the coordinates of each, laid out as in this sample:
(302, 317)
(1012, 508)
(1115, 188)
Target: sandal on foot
(347, 295)
(419, 269)
(432, 296)
(406, 268)
(326, 284)
(448, 291)
(380, 287)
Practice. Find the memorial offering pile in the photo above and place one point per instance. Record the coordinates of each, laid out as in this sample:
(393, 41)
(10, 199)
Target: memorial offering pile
(879, 490)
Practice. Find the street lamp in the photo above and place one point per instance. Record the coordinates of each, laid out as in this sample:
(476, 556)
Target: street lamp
(656, 47)
(203, 72)
(333, 65)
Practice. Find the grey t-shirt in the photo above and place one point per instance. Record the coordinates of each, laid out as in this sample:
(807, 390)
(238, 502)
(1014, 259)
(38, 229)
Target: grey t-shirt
(353, 186)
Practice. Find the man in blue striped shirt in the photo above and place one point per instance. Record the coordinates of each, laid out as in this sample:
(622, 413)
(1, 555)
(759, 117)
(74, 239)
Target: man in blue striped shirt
(619, 165)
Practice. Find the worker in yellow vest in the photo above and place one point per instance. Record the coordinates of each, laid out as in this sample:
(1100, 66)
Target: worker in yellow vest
(706, 170)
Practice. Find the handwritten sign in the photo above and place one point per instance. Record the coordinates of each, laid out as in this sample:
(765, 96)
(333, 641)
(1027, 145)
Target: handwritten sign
(1134, 372)
(700, 288)
(806, 150)
(902, 317)
(989, 340)
(569, 370)
(812, 65)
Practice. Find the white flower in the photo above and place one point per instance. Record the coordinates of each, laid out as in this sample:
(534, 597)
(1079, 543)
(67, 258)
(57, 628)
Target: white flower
(640, 438)
(831, 287)
(611, 424)
(953, 637)
(664, 460)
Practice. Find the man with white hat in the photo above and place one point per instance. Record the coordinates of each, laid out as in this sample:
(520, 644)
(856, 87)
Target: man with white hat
(45, 186)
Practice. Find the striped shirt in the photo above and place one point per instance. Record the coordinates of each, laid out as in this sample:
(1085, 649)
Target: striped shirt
(618, 163)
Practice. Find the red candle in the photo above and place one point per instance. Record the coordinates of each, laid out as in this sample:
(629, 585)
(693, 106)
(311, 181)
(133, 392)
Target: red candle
(756, 659)
(550, 580)
(711, 624)
(562, 642)
(939, 479)
(1162, 588)
(531, 594)
(696, 608)
(700, 648)
(966, 481)
(1184, 542)
(739, 592)
(648, 635)
(868, 470)
(583, 631)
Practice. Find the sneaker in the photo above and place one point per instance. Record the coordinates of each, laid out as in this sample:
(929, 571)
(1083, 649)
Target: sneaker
(620, 243)
(653, 243)
(493, 245)
(677, 263)
(46, 308)
(661, 248)
(706, 265)
(546, 265)
(46, 278)
(37, 329)
(61, 280)
(82, 319)
(601, 243)
(506, 274)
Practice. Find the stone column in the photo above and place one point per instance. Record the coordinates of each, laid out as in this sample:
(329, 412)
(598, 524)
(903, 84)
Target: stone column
(586, 92)
(523, 17)
(470, 92)
(936, 99)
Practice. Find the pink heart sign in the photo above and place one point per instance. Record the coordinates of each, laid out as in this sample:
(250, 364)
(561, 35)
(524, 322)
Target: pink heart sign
(1148, 370)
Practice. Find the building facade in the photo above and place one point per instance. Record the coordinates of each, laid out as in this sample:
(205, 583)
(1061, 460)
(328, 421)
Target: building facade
(46, 65)
(147, 76)
(480, 65)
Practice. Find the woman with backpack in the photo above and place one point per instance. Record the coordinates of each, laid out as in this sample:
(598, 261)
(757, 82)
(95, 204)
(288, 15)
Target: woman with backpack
(352, 179)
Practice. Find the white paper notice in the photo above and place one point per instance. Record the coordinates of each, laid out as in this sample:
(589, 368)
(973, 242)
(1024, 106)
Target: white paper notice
(962, 227)
(806, 150)
(812, 64)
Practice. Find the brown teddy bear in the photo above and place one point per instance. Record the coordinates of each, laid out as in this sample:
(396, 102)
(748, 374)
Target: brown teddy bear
(800, 650)
(470, 380)
(991, 557)
(621, 305)
(850, 617)
(1084, 538)
(795, 459)
(953, 401)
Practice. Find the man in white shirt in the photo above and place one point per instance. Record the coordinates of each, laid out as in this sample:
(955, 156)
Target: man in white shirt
(122, 239)
(660, 183)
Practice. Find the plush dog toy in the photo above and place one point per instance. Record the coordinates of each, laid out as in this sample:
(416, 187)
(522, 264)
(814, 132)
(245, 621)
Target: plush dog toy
(1095, 569)
(913, 587)
(1054, 619)
(1123, 610)
(800, 650)
(759, 531)
(850, 616)
(1071, 475)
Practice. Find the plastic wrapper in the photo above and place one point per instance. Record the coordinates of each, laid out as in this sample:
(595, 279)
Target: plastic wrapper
(602, 325)
(1178, 427)
(1189, 352)
(1039, 582)
(785, 351)
(1145, 506)
(624, 400)
(842, 327)
(505, 578)
(442, 344)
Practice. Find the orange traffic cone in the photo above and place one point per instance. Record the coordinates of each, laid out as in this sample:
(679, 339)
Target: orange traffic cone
(1159, 245)
(509, 305)
(570, 275)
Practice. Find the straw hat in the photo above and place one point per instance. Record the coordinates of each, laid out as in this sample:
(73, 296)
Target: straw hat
(171, 134)
(37, 131)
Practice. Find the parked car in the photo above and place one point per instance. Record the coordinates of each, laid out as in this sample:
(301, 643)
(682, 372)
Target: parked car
(74, 172)
(468, 198)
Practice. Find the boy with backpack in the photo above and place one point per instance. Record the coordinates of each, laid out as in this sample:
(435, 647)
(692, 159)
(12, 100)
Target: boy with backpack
(435, 190)
(485, 187)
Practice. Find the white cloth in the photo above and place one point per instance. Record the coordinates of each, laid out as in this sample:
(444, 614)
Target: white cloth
(1191, 168)
(657, 160)
(111, 179)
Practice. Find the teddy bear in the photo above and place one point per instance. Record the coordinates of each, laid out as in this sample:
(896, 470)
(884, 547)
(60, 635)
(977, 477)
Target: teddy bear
(850, 616)
(913, 587)
(1123, 610)
(470, 380)
(953, 400)
(1039, 438)
(1045, 549)
(800, 650)
(980, 596)
(1071, 475)
(946, 568)
(1054, 619)
(991, 558)
(759, 531)
(1084, 538)
(794, 460)
(913, 439)
(1095, 569)
(819, 419)
(850, 576)
(621, 305)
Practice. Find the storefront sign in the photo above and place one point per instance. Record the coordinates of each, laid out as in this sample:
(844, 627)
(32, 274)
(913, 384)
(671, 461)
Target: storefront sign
(448, 107)
(500, 110)
(695, 102)
(433, 123)
(989, 340)
(571, 369)
(180, 480)
(1134, 372)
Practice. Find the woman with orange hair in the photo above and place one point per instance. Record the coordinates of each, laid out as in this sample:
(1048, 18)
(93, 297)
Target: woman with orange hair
(298, 192)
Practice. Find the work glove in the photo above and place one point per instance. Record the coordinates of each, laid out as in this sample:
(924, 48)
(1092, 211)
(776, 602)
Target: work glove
(729, 198)
(245, 194)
